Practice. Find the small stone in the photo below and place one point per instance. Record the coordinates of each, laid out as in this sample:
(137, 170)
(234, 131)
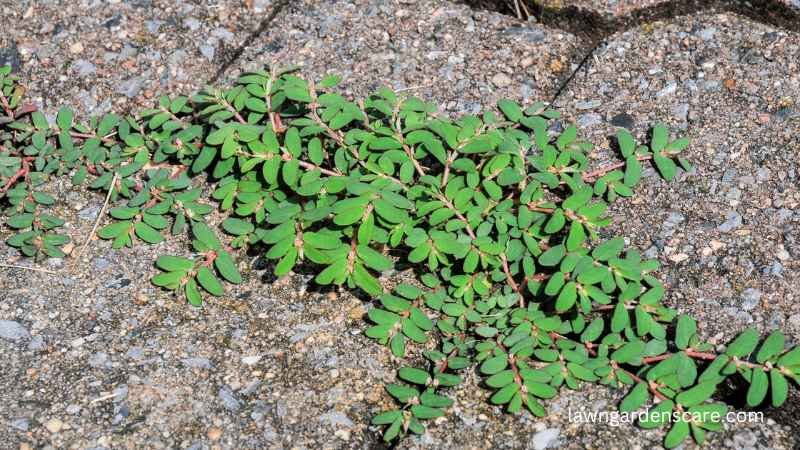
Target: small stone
(681, 111)
(37, 343)
(192, 24)
(229, 400)
(729, 84)
(54, 425)
(545, 439)
(208, 51)
(501, 80)
(197, 363)
(732, 221)
(13, 331)
(251, 360)
(670, 88)
(89, 213)
(343, 434)
(9, 56)
(623, 120)
(782, 254)
(83, 67)
(750, 298)
(679, 257)
(100, 360)
(21, 424)
(222, 33)
(588, 104)
(214, 433)
(131, 87)
(588, 120)
(707, 34)
(76, 48)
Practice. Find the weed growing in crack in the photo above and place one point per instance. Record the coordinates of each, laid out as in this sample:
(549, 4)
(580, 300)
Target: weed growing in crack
(499, 216)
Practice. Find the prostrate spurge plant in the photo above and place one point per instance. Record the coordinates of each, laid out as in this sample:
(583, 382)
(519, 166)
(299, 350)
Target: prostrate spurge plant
(498, 215)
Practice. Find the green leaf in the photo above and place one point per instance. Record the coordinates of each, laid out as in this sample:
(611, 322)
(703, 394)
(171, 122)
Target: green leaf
(677, 434)
(686, 328)
(387, 417)
(759, 383)
(666, 167)
(494, 365)
(227, 267)
(170, 263)
(373, 259)
(115, 229)
(237, 227)
(203, 233)
(209, 282)
(64, 118)
(696, 395)
(779, 387)
(744, 344)
(147, 233)
(20, 221)
(771, 347)
(567, 297)
(510, 109)
(629, 352)
(660, 137)
(426, 412)
(365, 281)
(635, 398)
(168, 280)
(193, 294)
(413, 375)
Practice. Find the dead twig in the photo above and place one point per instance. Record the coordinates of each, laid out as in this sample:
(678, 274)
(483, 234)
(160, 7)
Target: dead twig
(77, 255)
(33, 269)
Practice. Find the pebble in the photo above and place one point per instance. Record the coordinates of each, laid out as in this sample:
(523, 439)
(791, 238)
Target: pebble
(21, 424)
(678, 257)
(588, 104)
(545, 439)
(750, 299)
(10, 56)
(214, 433)
(681, 112)
(623, 120)
(13, 331)
(588, 120)
(197, 363)
(192, 24)
(54, 425)
(229, 399)
(131, 87)
(251, 360)
(99, 360)
(76, 48)
(501, 80)
(208, 51)
(83, 67)
(733, 220)
(670, 88)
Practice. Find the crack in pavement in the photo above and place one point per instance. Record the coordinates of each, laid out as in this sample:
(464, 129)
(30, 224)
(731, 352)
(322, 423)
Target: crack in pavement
(594, 28)
(267, 21)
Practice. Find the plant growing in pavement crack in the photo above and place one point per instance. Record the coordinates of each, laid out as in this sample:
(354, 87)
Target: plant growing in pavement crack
(499, 215)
